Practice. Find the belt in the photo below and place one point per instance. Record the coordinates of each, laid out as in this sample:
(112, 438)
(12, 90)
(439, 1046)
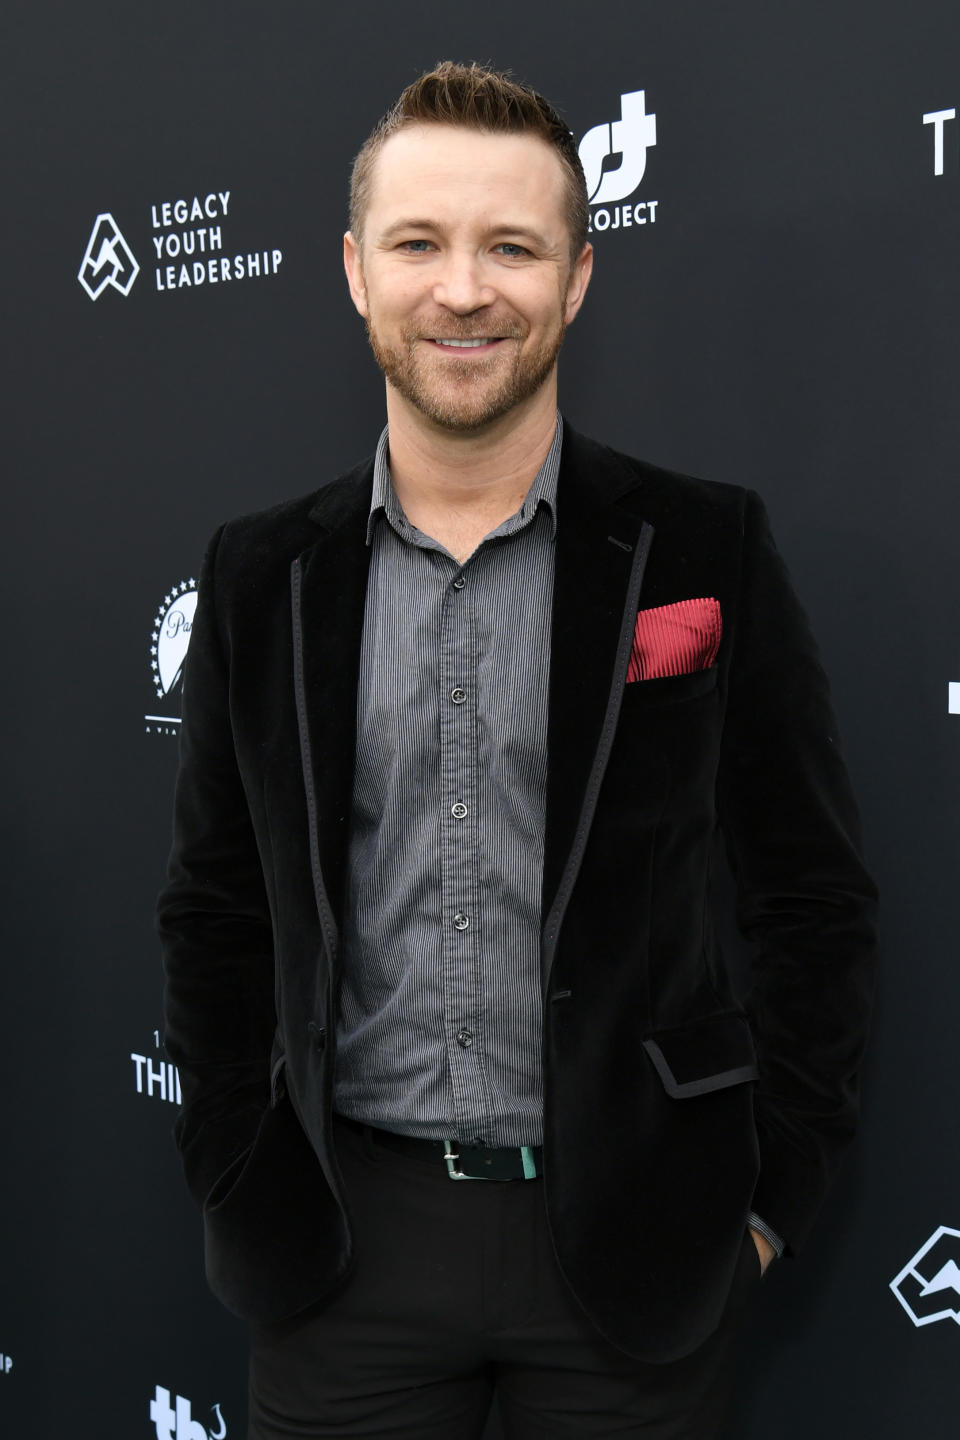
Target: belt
(463, 1162)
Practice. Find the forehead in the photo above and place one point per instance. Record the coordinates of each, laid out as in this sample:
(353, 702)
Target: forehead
(452, 168)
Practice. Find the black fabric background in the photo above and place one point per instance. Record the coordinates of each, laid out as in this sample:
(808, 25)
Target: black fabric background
(788, 322)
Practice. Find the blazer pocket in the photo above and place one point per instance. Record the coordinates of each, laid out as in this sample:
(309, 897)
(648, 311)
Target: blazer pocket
(227, 1179)
(704, 1055)
(671, 689)
(210, 1148)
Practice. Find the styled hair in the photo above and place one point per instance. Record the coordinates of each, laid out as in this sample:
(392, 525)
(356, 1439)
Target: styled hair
(478, 99)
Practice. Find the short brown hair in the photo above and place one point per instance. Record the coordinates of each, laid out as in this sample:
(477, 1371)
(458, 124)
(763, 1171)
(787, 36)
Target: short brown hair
(479, 99)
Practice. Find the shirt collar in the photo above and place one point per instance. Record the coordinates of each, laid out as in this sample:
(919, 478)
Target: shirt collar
(543, 491)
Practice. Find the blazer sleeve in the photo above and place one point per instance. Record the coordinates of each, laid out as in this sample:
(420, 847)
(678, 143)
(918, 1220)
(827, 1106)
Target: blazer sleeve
(213, 919)
(804, 896)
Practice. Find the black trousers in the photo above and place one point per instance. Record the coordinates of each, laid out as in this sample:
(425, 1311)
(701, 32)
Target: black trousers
(455, 1295)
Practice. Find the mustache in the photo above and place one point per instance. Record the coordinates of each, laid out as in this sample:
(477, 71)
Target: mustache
(465, 330)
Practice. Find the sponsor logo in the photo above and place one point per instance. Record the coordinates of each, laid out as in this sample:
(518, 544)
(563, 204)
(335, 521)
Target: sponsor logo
(953, 697)
(108, 260)
(938, 119)
(928, 1286)
(6, 1363)
(190, 249)
(169, 641)
(176, 1422)
(160, 1081)
(614, 159)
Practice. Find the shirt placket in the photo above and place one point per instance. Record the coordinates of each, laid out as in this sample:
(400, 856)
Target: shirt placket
(461, 920)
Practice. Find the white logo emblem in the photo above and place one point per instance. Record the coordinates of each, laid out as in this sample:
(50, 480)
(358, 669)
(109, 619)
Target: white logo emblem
(928, 1286)
(108, 260)
(953, 697)
(171, 636)
(177, 1423)
(624, 141)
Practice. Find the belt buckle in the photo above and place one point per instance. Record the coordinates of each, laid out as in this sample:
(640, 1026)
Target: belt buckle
(451, 1157)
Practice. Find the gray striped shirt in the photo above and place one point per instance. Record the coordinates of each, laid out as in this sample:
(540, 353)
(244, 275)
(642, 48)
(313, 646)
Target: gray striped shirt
(439, 1019)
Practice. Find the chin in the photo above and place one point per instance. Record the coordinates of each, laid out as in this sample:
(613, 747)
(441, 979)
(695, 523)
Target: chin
(458, 413)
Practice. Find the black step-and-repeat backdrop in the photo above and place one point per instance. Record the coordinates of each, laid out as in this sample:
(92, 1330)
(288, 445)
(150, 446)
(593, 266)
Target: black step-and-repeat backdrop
(776, 216)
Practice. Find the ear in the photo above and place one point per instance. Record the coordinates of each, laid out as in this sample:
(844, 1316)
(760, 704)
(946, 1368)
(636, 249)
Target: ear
(577, 284)
(353, 265)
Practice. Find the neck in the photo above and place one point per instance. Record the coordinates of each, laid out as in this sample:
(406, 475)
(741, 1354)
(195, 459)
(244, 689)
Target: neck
(479, 476)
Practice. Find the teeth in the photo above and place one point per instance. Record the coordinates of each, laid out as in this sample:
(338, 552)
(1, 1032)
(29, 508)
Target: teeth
(466, 344)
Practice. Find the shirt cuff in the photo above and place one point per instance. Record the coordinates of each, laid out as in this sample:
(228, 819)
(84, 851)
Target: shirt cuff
(762, 1228)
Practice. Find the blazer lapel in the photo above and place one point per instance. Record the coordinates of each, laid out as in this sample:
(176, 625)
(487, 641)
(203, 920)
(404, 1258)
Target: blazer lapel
(601, 554)
(328, 585)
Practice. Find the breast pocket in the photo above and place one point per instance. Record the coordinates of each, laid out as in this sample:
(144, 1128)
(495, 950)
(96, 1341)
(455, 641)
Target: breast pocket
(671, 689)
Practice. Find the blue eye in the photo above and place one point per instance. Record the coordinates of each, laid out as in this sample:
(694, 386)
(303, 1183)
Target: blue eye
(415, 245)
(511, 250)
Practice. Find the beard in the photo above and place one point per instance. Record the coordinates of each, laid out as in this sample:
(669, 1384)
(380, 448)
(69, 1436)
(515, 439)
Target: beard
(468, 395)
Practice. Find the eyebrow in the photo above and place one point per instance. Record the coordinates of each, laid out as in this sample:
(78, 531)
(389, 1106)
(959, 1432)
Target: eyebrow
(520, 231)
(398, 225)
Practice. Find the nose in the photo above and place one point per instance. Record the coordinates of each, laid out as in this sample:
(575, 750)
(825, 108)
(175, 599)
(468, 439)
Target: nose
(461, 285)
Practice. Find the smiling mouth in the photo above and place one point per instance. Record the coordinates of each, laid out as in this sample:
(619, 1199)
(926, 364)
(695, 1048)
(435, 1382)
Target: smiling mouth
(478, 344)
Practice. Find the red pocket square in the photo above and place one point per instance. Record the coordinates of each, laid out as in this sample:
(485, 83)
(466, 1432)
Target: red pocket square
(675, 639)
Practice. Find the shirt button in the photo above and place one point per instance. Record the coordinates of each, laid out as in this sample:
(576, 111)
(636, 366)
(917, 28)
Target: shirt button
(459, 583)
(458, 696)
(459, 810)
(465, 1038)
(460, 921)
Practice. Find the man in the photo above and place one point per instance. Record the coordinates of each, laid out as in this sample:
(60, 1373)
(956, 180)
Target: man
(469, 1100)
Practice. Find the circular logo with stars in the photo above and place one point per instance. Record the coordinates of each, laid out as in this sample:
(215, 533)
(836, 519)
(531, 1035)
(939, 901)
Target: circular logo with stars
(171, 636)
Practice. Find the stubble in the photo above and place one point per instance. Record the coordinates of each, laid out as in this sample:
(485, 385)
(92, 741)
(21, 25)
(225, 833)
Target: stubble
(464, 395)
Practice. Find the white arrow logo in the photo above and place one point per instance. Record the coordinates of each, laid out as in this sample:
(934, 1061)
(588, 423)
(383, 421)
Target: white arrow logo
(115, 263)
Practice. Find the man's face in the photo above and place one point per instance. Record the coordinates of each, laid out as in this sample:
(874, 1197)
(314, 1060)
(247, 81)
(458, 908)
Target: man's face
(465, 240)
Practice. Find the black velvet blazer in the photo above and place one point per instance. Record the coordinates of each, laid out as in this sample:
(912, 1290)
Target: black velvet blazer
(671, 1110)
